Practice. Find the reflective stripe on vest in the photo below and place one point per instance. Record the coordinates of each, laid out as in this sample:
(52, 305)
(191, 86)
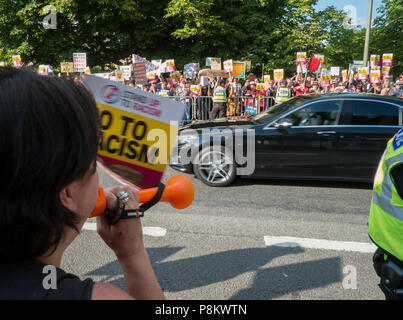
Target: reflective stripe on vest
(385, 223)
(385, 199)
(220, 95)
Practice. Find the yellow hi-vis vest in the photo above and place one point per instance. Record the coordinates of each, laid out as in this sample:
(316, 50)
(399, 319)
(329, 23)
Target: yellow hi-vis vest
(220, 95)
(385, 224)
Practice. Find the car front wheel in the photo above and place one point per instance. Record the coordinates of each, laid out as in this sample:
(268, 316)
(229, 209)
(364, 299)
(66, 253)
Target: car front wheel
(215, 166)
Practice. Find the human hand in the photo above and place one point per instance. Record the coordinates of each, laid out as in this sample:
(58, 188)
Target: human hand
(125, 237)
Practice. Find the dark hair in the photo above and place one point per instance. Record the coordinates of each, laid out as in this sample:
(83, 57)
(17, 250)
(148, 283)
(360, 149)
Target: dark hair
(49, 133)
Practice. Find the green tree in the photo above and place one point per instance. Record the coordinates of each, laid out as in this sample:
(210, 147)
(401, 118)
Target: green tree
(107, 30)
(387, 34)
(268, 32)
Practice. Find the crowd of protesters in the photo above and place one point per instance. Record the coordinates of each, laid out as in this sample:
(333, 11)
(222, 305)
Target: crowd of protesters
(298, 85)
(241, 91)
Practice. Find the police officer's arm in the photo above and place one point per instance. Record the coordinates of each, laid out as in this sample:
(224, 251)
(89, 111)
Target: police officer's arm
(397, 176)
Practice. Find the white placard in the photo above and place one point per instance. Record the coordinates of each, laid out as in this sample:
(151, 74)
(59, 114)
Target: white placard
(80, 62)
(335, 71)
(127, 72)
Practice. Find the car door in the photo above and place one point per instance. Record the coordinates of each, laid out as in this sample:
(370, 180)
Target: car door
(367, 126)
(300, 151)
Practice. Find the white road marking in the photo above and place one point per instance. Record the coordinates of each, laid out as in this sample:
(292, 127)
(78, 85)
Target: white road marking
(149, 231)
(291, 242)
(90, 226)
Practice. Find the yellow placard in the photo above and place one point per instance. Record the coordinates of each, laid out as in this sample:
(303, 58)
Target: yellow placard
(17, 62)
(195, 89)
(175, 75)
(66, 67)
(278, 75)
(125, 138)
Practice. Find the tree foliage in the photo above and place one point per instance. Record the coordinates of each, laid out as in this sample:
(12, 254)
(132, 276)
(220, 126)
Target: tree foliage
(266, 32)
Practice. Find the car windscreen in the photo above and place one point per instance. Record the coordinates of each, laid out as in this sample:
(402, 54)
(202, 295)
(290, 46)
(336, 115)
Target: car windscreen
(278, 109)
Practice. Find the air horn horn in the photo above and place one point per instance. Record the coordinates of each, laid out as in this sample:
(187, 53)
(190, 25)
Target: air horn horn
(179, 192)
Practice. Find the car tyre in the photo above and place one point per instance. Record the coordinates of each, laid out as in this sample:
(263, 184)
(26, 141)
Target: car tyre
(215, 166)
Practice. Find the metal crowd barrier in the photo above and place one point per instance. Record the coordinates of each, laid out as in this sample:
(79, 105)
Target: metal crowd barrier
(198, 108)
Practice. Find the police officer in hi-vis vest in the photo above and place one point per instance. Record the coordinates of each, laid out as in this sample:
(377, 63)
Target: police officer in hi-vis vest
(385, 224)
(219, 101)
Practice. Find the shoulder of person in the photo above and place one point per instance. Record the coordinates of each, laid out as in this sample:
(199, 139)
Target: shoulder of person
(107, 291)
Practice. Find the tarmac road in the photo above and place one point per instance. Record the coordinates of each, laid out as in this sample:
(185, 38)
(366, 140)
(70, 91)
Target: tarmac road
(229, 244)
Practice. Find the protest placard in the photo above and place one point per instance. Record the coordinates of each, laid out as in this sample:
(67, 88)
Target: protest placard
(151, 75)
(216, 64)
(213, 73)
(43, 69)
(314, 64)
(260, 86)
(267, 79)
(140, 73)
(375, 75)
(278, 75)
(163, 93)
(119, 75)
(66, 67)
(80, 62)
(127, 72)
(387, 59)
(301, 58)
(175, 75)
(325, 80)
(363, 73)
(17, 62)
(344, 75)
(374, 60)
(157, 63)
(170, 65)
(228, 66)
(238, 69)
(195, 89)
(137, 135)
(250, 106)
(335, 71)
(191, 70)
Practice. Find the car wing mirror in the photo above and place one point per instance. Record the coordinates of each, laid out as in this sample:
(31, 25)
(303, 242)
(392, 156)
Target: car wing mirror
(283, 124)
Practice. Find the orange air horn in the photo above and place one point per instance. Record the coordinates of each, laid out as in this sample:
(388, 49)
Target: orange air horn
(179, 192)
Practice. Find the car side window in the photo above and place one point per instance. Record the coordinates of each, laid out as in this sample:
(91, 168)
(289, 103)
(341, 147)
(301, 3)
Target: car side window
(374, 113)
(322, 113)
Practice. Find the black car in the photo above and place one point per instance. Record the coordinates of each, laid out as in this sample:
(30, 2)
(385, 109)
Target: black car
(325, 137)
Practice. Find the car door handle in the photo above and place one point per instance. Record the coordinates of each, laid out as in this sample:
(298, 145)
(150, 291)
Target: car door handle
(326, 133)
